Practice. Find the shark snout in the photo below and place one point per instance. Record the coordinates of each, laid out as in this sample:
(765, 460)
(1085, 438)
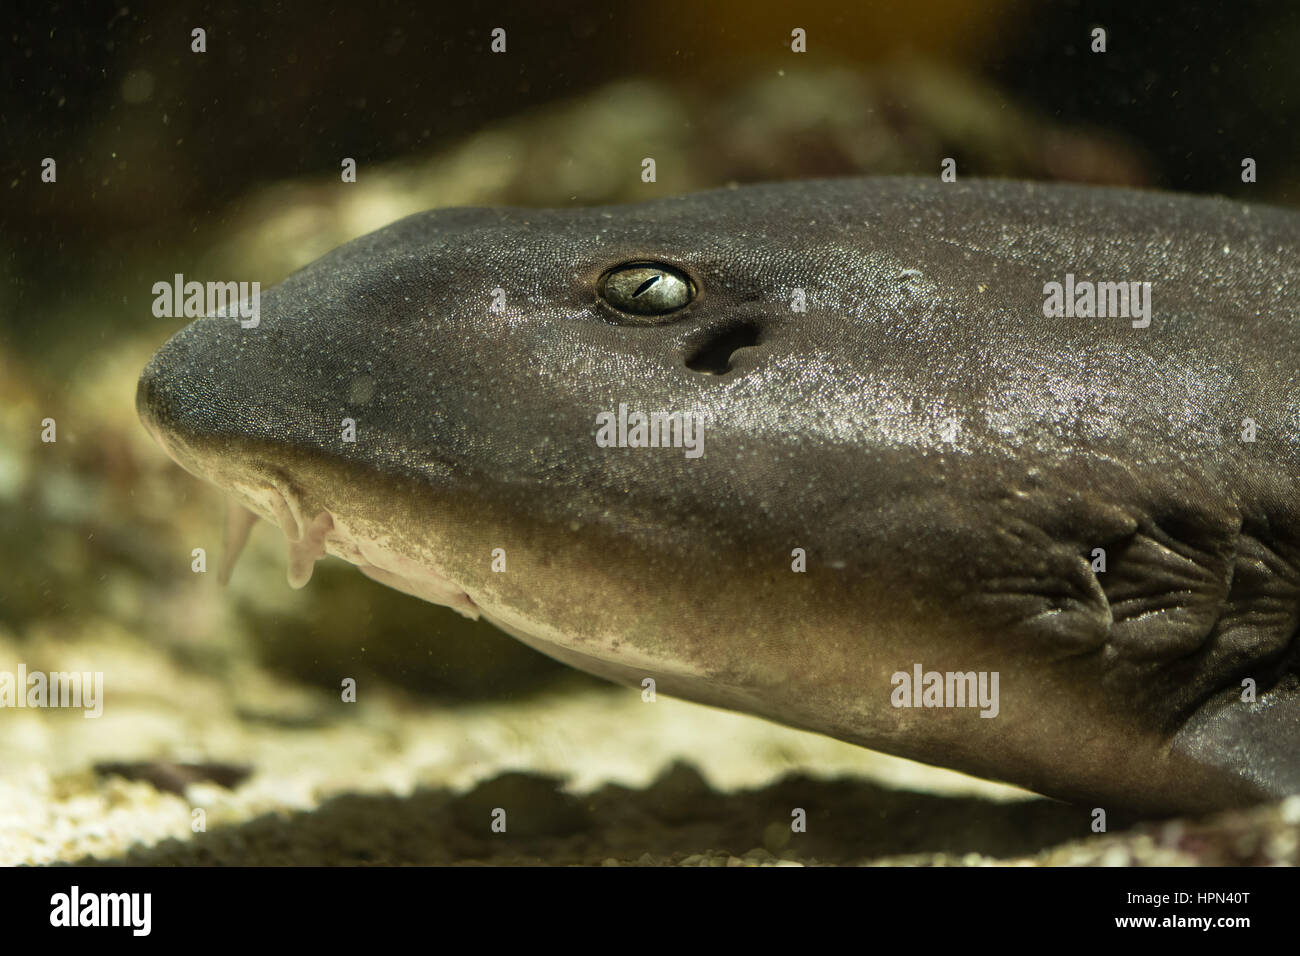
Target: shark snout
(160, 401)
(216, 390)
(175, 393)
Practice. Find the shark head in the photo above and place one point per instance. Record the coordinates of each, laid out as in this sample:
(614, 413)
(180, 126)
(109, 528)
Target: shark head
(596, 428)
(768, 448)
(565, 422)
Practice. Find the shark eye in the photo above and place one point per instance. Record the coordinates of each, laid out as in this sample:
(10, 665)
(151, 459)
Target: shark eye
(648, 290)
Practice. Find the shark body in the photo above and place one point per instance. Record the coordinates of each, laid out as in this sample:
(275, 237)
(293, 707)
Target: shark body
(911, 460)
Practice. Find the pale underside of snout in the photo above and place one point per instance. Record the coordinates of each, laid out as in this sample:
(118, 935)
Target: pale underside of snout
(368, 543)
(312, 536)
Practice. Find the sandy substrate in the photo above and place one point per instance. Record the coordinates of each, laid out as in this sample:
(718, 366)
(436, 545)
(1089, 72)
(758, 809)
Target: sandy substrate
(584, 775)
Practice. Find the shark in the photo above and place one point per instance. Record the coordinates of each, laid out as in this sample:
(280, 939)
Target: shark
(809, 451)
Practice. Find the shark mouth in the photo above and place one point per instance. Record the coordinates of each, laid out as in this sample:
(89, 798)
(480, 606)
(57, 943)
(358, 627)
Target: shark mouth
(266, 492)
(326, 533)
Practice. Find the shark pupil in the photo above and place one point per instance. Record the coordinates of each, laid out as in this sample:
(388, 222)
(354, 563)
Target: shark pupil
(645, 285)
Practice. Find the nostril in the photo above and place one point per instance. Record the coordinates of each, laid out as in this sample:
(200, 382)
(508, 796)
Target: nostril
(714, 356)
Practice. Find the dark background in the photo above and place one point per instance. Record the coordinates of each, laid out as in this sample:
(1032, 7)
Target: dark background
(286, 88)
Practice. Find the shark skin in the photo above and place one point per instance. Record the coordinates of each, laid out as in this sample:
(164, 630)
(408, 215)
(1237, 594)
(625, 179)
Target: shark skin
(1103, 512)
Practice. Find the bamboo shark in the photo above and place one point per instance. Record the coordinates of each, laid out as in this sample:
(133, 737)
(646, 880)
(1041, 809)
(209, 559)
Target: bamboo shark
(917, 460)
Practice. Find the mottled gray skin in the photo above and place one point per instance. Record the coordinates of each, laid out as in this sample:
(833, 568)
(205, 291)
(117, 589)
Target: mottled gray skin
(924, 307)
